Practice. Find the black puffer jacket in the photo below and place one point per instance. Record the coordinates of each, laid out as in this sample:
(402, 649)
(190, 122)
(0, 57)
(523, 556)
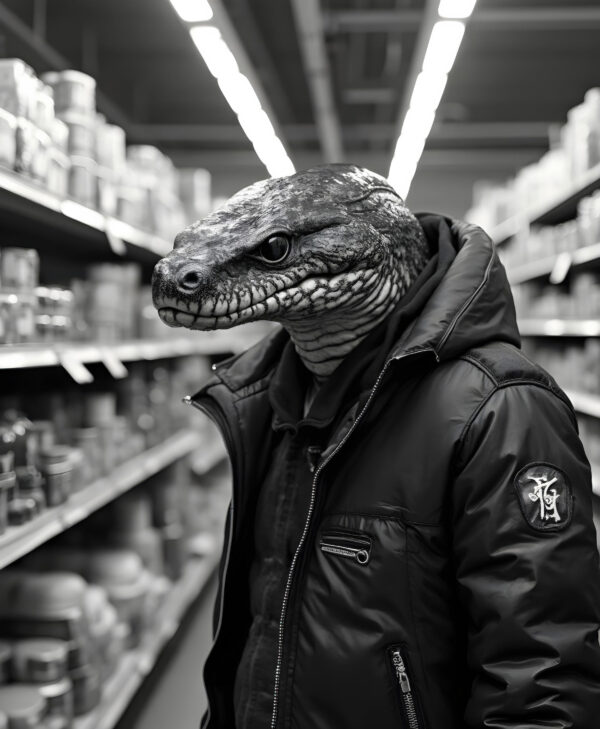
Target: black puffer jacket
(448, 576)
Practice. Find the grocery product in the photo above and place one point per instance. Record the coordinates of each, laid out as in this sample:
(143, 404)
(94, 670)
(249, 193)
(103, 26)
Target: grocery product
(39, 660)
(24, 706)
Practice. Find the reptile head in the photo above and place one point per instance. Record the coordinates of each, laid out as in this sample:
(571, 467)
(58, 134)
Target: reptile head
(313, 244)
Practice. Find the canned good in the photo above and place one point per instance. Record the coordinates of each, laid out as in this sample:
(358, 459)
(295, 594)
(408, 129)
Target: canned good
(5, 660)
(19, 268)
(73, 90)
(83, 181)
(57, 469)
(7, 486)
(88, 440)
(30, 481)
(21, 510)
(59, 699)
(86, 689)
(41, 660)
(24, 706)
(7, 448)
(8, 139)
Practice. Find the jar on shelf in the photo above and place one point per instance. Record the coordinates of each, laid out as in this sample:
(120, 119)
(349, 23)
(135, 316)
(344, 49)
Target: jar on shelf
(8, 139)
(57, 470)
(39, 660)
(73, 91)
(19, 268)
(24, 706)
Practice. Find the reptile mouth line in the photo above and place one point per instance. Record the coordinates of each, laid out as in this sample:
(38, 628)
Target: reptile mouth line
(176, 317)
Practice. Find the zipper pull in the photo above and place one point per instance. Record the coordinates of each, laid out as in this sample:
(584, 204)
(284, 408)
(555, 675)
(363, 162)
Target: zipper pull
(401, 672)
(313, 454)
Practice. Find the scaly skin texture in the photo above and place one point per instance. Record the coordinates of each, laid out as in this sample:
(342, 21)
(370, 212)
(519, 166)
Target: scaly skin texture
(354, 249)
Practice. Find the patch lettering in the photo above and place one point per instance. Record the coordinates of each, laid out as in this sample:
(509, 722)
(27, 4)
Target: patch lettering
(545, 496)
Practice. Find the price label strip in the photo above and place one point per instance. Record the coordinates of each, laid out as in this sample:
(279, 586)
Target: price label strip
(75, 367)
(113, 364)
(561, 267)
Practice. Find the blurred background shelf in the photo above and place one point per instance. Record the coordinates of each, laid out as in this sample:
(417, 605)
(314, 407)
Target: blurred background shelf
(559, 328)
(585, 403)
(137, 664)
(18, 541)
(205, 343)
(545, 266)
(67, 225)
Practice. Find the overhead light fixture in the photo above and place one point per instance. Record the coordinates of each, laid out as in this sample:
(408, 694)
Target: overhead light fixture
(442, 48)
(456, 8)
(428, 90)
(193, 11)
(243, 99)
(215, 52)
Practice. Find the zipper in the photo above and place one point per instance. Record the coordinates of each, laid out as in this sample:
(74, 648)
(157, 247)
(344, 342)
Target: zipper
(311, 507)
(407, 698)
(347, 544)
(215, 413)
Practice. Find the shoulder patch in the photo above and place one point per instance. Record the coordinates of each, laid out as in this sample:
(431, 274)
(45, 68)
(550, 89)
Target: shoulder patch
(545, 496)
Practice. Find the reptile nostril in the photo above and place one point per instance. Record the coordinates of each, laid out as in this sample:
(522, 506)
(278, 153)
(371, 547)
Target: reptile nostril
(189, 280)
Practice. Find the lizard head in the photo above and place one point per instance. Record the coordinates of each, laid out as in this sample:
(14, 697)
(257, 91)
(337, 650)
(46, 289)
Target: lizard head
(314, 244)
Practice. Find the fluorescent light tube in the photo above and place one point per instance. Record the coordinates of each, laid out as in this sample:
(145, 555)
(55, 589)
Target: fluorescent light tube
(213, 49)
(238, 93)
(443, 46)
(428, 90)
(193, 11)
(456, 8)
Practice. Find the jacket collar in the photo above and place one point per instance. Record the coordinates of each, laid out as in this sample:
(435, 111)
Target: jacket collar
(470, 306)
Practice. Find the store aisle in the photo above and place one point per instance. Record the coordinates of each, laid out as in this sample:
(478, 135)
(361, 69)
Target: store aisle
(174, 697)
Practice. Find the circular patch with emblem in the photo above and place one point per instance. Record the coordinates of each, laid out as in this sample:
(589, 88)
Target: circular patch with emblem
(544, 496)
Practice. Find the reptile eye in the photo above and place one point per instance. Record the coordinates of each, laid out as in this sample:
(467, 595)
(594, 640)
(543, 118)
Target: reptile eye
(275, 249)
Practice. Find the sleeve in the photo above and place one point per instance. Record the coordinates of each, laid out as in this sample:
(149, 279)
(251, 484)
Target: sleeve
(526, 564)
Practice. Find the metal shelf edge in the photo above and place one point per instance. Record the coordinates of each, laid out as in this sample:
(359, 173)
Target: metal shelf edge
(585, 403)
(16, 542)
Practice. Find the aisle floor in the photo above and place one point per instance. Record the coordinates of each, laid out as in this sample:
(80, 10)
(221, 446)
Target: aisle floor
(177, 699)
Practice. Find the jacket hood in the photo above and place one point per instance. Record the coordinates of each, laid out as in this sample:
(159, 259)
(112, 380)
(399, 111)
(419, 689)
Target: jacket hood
(471, 305)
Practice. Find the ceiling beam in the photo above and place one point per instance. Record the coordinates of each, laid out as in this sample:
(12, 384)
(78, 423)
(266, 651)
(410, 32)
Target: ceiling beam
(309, 27)
(513, 19)
(485, 162)
(43, 52)
(520, 133)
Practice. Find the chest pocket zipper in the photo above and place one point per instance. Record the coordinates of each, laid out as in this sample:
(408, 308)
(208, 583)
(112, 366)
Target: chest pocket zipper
(351, 545)
(407, 698)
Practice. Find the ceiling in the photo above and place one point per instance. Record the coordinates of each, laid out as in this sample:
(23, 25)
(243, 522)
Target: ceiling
(522, 65)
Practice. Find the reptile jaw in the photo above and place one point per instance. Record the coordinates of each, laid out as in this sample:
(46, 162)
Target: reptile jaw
(274, 306)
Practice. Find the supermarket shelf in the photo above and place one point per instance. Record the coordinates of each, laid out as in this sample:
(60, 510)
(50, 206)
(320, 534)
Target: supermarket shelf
(559, 328)
(562, 208)
(24, 356)
(506, 230)
(27, 207)
(545, 266)
(19, 541)
(595, 479)
(585, 403)
(137, 664)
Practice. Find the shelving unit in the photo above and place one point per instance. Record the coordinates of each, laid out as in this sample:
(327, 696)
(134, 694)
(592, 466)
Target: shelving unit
(207, 343)
(559, 327)
(137, 664)
(19, 541)
(545, 266)
(562, 208)
(26, 207)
